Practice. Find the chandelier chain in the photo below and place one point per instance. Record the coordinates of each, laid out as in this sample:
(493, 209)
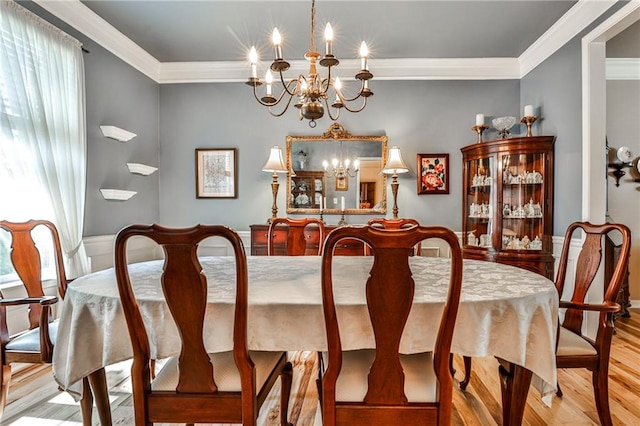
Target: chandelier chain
(312, 43)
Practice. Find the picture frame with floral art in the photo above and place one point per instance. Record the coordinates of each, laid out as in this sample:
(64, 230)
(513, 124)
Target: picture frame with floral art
(433, 174)
(216, 173)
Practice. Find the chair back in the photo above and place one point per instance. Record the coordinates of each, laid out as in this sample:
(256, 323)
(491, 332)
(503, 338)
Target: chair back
(389, 293)
(587, 266)
(26, 261)
(384, 223)
(184, 287)
(301, 236)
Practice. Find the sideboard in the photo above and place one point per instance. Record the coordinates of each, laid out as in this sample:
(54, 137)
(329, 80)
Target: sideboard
(260, 239)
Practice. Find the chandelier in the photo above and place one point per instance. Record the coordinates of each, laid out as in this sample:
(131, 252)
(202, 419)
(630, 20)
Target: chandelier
(341, 169)
(312, 91)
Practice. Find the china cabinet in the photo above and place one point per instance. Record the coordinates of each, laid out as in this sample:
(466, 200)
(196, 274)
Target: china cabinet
(508, 202)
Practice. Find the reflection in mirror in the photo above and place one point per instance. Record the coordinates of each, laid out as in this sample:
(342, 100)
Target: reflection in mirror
(336, 171)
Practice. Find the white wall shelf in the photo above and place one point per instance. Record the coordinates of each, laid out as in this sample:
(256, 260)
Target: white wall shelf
(141, 169)
(113, 132)
(117, 194)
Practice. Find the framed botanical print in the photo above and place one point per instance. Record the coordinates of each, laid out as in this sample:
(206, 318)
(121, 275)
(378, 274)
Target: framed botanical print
(216, 173)
(433, 174)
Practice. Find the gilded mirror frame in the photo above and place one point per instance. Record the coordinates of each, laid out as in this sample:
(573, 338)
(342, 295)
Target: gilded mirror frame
(337, 133)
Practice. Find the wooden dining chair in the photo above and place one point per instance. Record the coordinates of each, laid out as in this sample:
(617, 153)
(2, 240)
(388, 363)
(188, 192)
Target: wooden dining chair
(35, 345)
(300, 239)
(381, 386)
(385, 223)
(196, 386)
(574, 349)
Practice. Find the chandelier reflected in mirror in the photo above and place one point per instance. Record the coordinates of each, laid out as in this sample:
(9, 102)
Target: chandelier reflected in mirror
(312, 92)
(341, 169)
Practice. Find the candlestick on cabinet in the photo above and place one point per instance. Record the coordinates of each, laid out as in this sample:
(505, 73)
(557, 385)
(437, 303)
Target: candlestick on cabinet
(479, 129)
(274, 164)
(529, 120)
(394, 166)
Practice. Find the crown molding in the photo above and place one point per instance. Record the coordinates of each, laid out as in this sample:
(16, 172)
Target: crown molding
(583, 13)
(83, 19)
(622, 69)
(384, 69)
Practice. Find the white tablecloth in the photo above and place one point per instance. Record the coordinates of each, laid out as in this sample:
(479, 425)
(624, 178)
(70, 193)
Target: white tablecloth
(504, 311)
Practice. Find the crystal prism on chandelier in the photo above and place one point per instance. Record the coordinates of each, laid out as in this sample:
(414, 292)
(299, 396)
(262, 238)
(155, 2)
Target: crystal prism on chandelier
(312, 92)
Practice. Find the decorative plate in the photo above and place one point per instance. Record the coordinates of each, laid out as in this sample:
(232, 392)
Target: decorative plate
(624, 154)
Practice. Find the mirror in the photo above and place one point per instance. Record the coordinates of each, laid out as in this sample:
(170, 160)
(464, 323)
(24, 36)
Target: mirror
(324, 174)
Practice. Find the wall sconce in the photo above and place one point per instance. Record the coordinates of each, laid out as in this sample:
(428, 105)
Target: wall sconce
(394, 166)
(275, 165)
(624, 157)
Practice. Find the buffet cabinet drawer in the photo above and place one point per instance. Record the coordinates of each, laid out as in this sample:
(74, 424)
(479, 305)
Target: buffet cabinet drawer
(260, 246)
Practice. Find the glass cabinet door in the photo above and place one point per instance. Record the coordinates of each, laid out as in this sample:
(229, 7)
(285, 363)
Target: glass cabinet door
(480, 202)
(523, 202)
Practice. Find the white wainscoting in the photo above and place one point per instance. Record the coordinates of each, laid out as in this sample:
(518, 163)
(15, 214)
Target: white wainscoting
(139, 249)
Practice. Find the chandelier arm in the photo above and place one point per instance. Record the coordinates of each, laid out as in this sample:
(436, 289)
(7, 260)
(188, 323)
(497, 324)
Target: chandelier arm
(328, 108)
(261, 102)
(359, 94)
(364, 104)
(286, 85)
(286, 107)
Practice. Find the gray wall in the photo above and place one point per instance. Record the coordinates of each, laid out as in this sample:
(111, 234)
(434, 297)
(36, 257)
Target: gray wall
(418, 116)
(116, 94)
(555, 88)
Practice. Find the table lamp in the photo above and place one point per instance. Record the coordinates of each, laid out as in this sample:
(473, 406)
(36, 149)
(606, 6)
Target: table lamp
(275, 165)
(394, 166)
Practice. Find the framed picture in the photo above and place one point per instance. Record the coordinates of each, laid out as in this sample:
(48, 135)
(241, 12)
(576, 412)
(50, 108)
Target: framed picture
(433, 176)
(342, 184)
(216, 173)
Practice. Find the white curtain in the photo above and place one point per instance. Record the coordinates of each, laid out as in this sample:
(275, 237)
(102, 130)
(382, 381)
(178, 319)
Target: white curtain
(42, 116)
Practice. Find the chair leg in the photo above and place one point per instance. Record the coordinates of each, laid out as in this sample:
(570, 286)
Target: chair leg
(98, 382)
(601, 393)
(86, 403)
(5, 371)
(467, 372)
(559, 391)
(286, 377)
(319, 379)
(452, 370)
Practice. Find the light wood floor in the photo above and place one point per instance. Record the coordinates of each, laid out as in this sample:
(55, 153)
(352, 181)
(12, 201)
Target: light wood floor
(35, 400)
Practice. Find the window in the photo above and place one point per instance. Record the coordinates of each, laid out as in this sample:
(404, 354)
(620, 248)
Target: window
(42, 134)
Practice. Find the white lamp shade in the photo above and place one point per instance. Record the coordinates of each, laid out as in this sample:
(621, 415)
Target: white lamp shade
(394, 162)
(275, 164)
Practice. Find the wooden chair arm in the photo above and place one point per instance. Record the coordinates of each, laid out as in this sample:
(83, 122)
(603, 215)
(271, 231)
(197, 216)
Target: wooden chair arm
(44, 301)
(598, 307)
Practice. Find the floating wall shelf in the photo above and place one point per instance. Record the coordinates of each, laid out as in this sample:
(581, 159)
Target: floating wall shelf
(117, 194)
(117, 133)
(141, 169)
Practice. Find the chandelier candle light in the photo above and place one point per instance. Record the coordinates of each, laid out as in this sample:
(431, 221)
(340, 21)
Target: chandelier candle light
(394, 166)
(274, 164)
(311, 91)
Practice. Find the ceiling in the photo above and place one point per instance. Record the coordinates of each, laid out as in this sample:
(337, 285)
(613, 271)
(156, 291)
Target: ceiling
(208, 40)
(178, 31)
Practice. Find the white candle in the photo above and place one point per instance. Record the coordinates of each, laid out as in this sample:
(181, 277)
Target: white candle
(324, 201)
(342, 203)
(528, 111)
(320, 204)
(479, 119)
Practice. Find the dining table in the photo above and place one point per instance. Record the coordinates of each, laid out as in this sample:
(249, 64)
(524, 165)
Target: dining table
(505, 312)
